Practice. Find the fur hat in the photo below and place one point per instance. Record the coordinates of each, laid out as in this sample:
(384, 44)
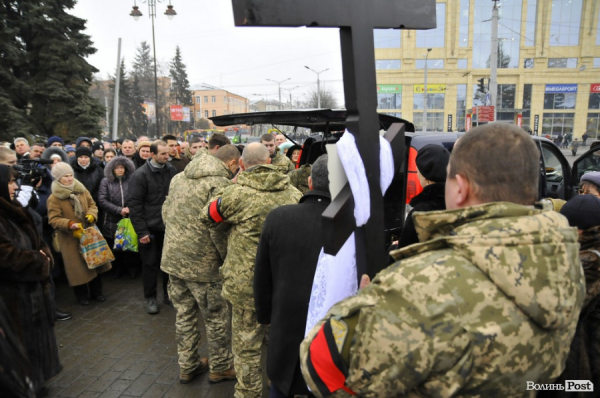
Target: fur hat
(60, 169)
(83, 151)
(582, 211)
(432, 161)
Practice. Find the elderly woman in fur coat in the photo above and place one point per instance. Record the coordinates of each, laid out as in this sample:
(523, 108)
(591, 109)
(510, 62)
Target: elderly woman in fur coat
(69, 208)
(25, 263)
(111, 199)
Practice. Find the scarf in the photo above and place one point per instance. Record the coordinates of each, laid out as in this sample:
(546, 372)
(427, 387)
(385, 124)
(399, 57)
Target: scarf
(72, 193)
(155, 164)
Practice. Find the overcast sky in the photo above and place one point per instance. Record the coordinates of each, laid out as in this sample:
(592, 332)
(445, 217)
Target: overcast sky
(238, 59)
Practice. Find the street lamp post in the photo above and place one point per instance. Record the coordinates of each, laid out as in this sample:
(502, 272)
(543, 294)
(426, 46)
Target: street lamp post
(318, 84)
(290, 90)
(136, 14)
(279, 86)
(425, 95)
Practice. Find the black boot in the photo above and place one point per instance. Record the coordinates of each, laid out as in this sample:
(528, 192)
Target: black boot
(62, 316)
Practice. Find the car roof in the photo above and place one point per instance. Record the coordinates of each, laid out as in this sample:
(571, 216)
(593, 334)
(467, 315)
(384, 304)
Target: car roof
(318, 120)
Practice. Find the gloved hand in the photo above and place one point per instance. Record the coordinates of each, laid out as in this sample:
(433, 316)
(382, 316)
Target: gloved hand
(90, 218)
(77, 233)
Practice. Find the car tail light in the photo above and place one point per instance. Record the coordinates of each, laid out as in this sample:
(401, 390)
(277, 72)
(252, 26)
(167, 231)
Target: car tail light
(413, 186)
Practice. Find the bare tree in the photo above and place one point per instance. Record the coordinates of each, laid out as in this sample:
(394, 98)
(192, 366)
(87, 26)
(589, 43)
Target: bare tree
(328, 100)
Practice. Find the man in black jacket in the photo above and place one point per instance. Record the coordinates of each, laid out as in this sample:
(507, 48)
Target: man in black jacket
(286, 261)
(148, 189)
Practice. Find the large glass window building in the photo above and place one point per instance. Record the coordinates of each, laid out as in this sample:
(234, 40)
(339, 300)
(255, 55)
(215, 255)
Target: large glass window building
(548, 66)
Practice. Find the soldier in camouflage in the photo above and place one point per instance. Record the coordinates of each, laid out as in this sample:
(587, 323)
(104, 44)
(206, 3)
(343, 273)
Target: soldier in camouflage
(281, 162)
(299, 178)
(244, 206)
(192, 256)
(487, 301)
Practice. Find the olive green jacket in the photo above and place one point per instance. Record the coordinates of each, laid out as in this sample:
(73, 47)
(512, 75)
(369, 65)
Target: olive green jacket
(245, 206)
(487, 302)
(191, 250)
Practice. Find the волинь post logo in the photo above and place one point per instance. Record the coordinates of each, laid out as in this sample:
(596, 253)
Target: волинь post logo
(570, 385)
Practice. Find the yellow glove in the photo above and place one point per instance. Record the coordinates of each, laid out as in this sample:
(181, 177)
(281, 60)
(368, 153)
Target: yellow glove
(90, 218)
(77, 233)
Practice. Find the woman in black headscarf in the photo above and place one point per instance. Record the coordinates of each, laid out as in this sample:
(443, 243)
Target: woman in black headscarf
(25, 263)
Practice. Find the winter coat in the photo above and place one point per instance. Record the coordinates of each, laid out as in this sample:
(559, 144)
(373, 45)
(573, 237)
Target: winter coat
(148, 189)
(90, 177)
(191, 250)
(179, 162)
(487, 302)
(245, 206)
(60, 213)
(112, 194)
(286, 260)
(282, 163)
(583, 362)
(430, 199)
(138, 161)
(25, 289)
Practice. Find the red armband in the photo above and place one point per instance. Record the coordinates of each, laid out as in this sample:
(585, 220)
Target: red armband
(214, 211)
(325, 364)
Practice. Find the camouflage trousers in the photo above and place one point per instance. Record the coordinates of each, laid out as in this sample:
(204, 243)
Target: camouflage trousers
(191, 299)
(247, 339)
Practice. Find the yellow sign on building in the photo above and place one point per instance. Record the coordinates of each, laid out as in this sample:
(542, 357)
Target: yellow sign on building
(431, 88)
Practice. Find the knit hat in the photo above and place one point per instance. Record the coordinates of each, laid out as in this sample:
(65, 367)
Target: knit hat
(55, 139)
(83, 151)
(582, 211)
(432, 161)
(593, 177)
(69, 148)
(96, 146)
(61, 169)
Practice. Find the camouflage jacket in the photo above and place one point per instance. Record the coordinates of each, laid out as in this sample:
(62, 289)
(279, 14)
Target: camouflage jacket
(191, 250)
(282, 163)
(489, 301)
(245, 206)
(299, 178)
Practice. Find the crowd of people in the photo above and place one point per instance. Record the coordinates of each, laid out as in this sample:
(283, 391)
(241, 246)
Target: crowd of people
(487, 289)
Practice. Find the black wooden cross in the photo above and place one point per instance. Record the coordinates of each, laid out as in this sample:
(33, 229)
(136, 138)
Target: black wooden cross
(356, 20)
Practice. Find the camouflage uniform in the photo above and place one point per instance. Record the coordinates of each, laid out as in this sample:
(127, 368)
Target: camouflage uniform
(192, 256)
(489, 301)
(299, 177)
(282, 163)
(245, 206)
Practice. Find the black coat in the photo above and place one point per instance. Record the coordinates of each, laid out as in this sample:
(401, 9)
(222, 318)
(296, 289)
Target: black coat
(148, 189)
(25, 289)
(90, 177)
(430, 199)
(112, 194)
(286, 260)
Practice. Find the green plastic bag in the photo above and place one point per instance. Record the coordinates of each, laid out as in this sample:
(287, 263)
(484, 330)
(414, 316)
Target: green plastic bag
(125, 238)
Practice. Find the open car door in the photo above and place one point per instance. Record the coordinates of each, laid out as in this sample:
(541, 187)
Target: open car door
(589, 161)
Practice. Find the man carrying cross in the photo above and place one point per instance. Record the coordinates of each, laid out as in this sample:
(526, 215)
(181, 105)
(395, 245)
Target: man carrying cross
(487, 302)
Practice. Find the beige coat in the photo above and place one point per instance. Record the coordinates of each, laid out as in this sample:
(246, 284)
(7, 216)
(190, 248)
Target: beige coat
(60, 212)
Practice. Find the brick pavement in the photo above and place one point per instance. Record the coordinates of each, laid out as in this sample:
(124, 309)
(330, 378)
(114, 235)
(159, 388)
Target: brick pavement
(115, 349)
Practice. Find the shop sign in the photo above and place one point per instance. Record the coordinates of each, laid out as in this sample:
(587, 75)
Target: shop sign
(431, 88)
(389, 89)
(561, 88)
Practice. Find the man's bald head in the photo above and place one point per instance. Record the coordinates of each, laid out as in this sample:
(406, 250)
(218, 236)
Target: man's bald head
(230, 155)
(254, 154)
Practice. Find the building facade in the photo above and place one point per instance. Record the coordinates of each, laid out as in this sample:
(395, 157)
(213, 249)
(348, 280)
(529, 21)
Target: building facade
(212, 101)
(548, 66)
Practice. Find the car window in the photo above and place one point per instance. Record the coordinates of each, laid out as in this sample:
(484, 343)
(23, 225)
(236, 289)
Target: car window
(554, 171)
(586, 163)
